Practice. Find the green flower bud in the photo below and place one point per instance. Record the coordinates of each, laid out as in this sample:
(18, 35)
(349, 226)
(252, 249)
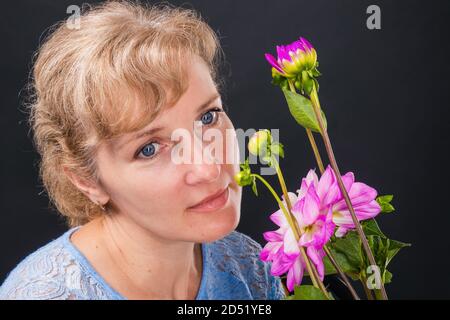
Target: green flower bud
(243, 178)
(307, 82)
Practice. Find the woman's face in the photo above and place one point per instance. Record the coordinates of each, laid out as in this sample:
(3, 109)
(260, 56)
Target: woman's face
(153, 190)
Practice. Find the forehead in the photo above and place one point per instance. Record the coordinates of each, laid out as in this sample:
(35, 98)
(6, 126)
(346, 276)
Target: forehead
(158, 125)
(200, 92)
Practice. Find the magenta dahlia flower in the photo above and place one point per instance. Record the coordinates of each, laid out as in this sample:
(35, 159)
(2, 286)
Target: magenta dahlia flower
(293, 58)
(283, 249)
(361, 195)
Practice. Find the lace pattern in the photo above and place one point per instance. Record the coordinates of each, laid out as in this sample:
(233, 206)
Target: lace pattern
(58, 271)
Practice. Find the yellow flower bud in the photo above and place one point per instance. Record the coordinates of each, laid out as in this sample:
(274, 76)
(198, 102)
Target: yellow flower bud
(259, 142)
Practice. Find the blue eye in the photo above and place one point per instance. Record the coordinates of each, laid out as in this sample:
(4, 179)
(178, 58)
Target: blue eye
(150, 149)
(211, 116)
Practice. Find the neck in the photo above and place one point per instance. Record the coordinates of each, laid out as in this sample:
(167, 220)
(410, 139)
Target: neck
(150, 265)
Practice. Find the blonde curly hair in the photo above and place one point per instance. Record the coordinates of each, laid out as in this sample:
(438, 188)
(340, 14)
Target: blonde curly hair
(110, 76)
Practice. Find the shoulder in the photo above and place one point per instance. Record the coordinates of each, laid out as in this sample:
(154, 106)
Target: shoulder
(239, 255)
(49, 273)
(239, 245)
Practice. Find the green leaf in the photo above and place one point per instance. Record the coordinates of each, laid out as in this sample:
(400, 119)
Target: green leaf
(387, 277)
(277, 148)
(384, 202)
(386, 198)
(371, 228)
(345, 264)
(315, 72)
(379, 246)
(394, 248)
(308, 292)
(302, 111)
(384, 250)
(348, 252)
(387, 208)
(329, 268)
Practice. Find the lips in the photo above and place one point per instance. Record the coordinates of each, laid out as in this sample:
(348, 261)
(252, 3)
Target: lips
(212, 202)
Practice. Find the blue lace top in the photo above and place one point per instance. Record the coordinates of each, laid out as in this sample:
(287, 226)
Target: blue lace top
(231, 270)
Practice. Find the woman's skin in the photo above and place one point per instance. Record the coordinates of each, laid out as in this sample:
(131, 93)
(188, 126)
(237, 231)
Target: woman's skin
(150, 247)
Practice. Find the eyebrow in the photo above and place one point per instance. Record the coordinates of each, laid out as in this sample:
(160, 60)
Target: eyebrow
(152, 131)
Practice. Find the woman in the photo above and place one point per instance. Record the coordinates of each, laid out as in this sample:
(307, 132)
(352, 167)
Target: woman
(109, 96)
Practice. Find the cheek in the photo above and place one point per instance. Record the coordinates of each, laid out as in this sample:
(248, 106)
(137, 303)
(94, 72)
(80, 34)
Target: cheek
(155, 188)
(154, 205)
(146, 191)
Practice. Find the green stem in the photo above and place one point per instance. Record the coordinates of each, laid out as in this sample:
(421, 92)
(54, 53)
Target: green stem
(316, 107)
(283, 185)
(322, 169)
(366, 289)
(341, 273)
(311, 138)
(286, 291)
(315, 150)
(316, 281)
(288, 202)
(279, 201)
(378, 294)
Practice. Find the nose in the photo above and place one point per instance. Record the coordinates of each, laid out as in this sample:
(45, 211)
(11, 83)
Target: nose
(204, 167)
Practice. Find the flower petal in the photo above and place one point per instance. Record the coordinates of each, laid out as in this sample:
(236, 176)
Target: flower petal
(306, 239)
(273, 236)
(295, 274)
(311, 177)
(361, 193)
(363, 212)
(341, 231)
(326, 180)
(311, 206)
(329, 226)
(282, 53)
(316, 257)
(348, 179)
(342, 218)
(279, 267)
(291, 248)
(328, 188)
(279, 219)
(306, 43)
(270, 250)
(292, 198)
(271, 59)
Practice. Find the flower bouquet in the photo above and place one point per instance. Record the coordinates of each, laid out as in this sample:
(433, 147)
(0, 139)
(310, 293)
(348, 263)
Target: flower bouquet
(328, 225)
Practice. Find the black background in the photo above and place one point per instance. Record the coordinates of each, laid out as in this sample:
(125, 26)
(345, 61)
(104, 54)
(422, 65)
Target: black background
(385, 93)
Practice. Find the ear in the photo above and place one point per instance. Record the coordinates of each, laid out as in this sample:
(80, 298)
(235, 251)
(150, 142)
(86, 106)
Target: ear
(92, 190)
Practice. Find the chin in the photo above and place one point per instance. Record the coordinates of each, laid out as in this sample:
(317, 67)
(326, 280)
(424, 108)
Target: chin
(219, 226)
